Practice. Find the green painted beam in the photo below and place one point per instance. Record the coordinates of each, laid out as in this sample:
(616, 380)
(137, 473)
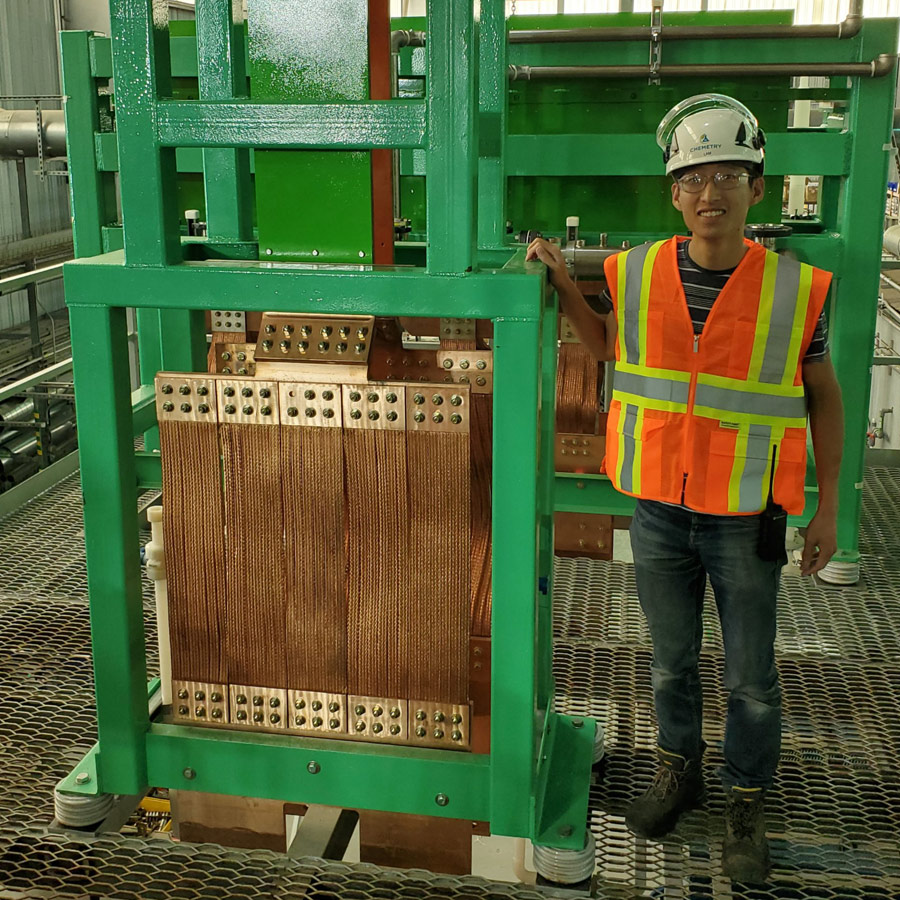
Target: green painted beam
(101, 56)
(804, 153)
(309, 770)
(365, 124)
(284, 287)
(148, 470)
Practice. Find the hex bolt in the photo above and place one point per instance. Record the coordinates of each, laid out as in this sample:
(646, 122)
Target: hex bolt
(200, 712)
(438, 716)
(328, 413)
(246, 392)
(274, 718)
(392, 416)
(437, 399)
(266, 410)
(309, 412)
(395, 729)
(241, 715)
(226, 356)
(456, 718)
(183, 694)
(247, 410)
(374, 415)
(184, 390)
(481, 364)
(228, 392)
(257, 700)
(241, 698)
(328, 395)
(566, 831)
(421, 732)
(456, 418)
(391, 398)
(313, 768)
(203, 390)
(377, 710)
(168, 406)
(395, 712)
(274, 702)
(309, 394)
(372, 397)
(216, 713)
(456, 735)
(360, 726)
(185, 407)
(456, 400)
(82, 778)
(419, 416)
(442, 799)
(264, 393)
(359, 709)
(183, 710)
(317, 705)
(166, 388)
(300, 721)
(438, 734)
(418, 399)
(199, 696)
(242, 357)
(378, 728)
(189, 773)
(355, 414)
(292, 411)
(481, 381)
(355, 396)
(421, 715)
(438, 417)
(464, 364)
(230, 409)
(300, 704)
(203, 408)
(317, 721)
(334, 723)
(259, 717)
(334, 706)
(447, 363)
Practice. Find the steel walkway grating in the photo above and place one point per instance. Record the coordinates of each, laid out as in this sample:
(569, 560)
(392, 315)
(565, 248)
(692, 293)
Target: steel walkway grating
(834, 811)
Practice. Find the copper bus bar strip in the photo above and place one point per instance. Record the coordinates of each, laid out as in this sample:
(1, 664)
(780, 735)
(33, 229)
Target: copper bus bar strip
(438, 408)
(472, 367)
(198, 702)
(313, 338)
(257, 707)
(441, 725)
(247, 401)
(236, 359)
(310, 403)
(185, 397)
(375, 407)
(382, 719)
(314, 713)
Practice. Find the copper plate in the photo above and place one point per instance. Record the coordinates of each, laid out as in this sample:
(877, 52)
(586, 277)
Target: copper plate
(257, 707)
(444, 725)
(185, 398)
(307, 337)
(197, 702)
(314, 404)
(314, 712)
(382, 719)
(247, 401)
(438, 408)
(375, 406)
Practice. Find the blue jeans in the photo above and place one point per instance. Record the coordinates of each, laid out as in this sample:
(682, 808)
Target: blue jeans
(674, 552)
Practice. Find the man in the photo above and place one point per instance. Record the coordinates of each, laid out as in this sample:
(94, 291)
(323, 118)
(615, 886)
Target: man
(720, 355)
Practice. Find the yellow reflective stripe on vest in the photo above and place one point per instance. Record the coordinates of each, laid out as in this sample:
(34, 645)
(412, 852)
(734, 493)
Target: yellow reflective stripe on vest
(797, 329)
(635, 268)
(764, 315)
(628, 469)
(748, 486)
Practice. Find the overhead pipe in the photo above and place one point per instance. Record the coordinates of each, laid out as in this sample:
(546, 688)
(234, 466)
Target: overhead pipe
(19, 133)
(44, 246)
(404, 38)
(850, 27)
(877, 68)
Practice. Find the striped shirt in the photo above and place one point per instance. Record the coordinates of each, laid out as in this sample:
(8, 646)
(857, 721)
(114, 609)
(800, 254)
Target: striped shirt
(702, 286)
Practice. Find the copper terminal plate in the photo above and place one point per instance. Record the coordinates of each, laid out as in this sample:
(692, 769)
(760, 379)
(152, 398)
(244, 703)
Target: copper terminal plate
(579, 453)
(228, 320)
(314, 712)
(567, 332)
(247, 401)
(382, 719)
(583, 534)
(457, 329)
(315, 404)
(442, 725)
(438, 408)
(257, 707)
(307, 337)
(375, 406)
(472, 367)
(236, 359)
(199, 703)
(185, 398)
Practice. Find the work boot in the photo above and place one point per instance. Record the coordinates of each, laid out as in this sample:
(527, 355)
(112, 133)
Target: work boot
(677, 786)
(745, 853)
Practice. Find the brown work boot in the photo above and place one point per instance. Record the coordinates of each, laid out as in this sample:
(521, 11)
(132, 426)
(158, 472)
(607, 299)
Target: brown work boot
(677, 787)
(745, 853)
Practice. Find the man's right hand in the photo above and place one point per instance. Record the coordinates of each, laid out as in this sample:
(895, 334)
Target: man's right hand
(551, 256)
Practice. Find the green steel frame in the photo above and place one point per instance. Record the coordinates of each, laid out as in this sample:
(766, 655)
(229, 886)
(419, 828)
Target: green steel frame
(534, 781)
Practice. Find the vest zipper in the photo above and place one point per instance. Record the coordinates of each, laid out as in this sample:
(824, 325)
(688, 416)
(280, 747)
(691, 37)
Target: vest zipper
(690, 410)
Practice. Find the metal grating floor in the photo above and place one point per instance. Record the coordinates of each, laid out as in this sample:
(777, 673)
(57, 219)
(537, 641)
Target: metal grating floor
(834, 812)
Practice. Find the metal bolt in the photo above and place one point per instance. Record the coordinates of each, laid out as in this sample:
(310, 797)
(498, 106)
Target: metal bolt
(190, 774)
(216, 713)
(317, 721)
(246, 392)
(438, 716)
(360, 726)
(199, 696)
(247, 410)
(355, 396)
(438, 734)
(300, 720)
(267, 345)
(359, 709)
(456, 735)
(266, 410)
(374, 415)
(480, 364)
(360, 348)
(442, 799)
(268, 251)
(317, 705)
(464, 364)
(200, 712)
(355, 414)
(257, 700)
(183, 710)
(274, 718)
(334, 723)
(456, 400)
(203, 408)
(392, 416)
(437, 399)
(228, 392)
(313, 768)
(421, 715)
(241, 698)
(242, 357)
(419, 416)
(377, 710)
(362, 254)
(305, 330)
(566, 830)
(344, 332)
(203, 390)
(578, 723)
(309, 412)
(334, 706)
(274, 702)
(309, 394)
(328, 413)
(183, 694)
(259, 717)
(292, 411)
(328, 395)
(372, 397)
(391, 398)
(323, 346)
(302, 346)
(285, 346)
(362, 332)
(448, 363)
(184, 390)
(287, 329)
(456, 718)
(456, 418)
(437, 417)
(481, 381)
(264, 393)
(166, 388)
(395, 729)
(326, 330)
(378, 728)
(230, 409)
(168, 406)
(241, 715)
(270, 328)
(341, 348)
(82, 778)
(395, 712)
(185, 407)
(418, 399)
(421, 732)
(315, 253)
(226, 356)
(300, 704)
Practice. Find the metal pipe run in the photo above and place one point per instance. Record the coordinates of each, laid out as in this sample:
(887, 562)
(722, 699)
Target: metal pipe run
(405, 38)
(877, 68)
(891, 242)
(43, 246)
(19, 130)
(850, 27)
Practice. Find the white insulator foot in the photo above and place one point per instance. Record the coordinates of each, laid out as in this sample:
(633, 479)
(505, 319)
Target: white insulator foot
(599, 743)
(837, 572)
(81, 810)
(566, 866)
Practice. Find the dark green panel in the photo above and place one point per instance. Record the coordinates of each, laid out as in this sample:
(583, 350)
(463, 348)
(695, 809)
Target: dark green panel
(311, 205)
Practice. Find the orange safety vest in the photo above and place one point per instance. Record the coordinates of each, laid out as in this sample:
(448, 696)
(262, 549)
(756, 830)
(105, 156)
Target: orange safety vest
(694, 418)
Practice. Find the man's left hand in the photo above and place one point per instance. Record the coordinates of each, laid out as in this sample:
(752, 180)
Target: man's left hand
(820, 544)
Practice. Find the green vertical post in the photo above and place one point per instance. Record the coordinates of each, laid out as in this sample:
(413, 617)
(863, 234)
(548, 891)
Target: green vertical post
(223, 76)
(140, 37)
(182, 340)
(492, 100)
(92, 193)
(853, 305)
(450, 160)
(103, 404)
(517, 378)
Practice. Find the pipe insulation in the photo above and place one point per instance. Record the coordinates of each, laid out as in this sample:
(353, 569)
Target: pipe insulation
(19, 133)
(52, 244)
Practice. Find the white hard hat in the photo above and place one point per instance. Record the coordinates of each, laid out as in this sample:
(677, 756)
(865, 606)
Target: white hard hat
(709, 128)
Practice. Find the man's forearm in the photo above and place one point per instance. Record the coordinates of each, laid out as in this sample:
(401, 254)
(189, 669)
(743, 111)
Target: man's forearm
(826, 420)
(589, 326)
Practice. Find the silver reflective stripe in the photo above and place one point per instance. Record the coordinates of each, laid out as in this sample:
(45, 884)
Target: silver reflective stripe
(751, 403)
(634, 271)
(784, 305)
(652, 388)
(628, 426)
(756, 465)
